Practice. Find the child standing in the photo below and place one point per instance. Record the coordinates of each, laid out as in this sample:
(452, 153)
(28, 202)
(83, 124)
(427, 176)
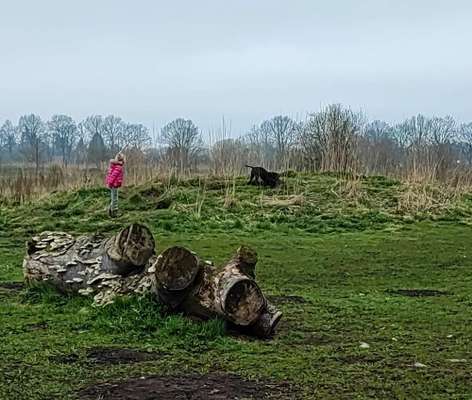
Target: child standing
(114, 181)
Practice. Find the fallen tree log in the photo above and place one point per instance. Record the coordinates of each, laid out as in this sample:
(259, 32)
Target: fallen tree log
(87, 263)
(228, 291)
(126, 264)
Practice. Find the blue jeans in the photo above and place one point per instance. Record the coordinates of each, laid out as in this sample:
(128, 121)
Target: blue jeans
(114, 199)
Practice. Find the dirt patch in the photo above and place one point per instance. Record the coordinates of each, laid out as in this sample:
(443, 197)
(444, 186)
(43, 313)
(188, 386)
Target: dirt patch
(163, 203)
(419, 292)
(65, 359)
(10, 289)
(189, 387)
(287, 299)
(104, 355)
(13, 286)
(118, 356)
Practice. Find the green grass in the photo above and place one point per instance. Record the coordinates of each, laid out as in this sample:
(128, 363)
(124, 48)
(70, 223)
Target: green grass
(343, 255)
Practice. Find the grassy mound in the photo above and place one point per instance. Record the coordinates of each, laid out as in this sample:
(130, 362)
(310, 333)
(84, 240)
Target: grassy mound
(343, 258)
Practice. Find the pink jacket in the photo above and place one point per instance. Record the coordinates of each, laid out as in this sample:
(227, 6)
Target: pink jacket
(115, 175)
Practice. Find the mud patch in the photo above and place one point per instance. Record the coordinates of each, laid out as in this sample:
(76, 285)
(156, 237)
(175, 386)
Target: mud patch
(10, 289)
(163, 203)
(104, 355)
(119, 356)
(12, 286)
(65, 359)
(189, 387)
(419, 292)
(287, 299)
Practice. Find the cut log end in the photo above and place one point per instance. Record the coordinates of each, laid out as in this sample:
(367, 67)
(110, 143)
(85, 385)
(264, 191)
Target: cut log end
(133, 246)
(265, 326)
(176, 268)
(242, 301)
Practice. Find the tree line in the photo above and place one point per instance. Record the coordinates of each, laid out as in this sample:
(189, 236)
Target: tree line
(61, 139)
(334, 138)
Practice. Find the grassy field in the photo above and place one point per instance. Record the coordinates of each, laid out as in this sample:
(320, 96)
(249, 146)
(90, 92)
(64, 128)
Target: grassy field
(374, 278)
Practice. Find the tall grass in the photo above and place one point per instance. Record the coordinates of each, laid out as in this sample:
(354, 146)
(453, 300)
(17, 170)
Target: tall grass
(21, 183)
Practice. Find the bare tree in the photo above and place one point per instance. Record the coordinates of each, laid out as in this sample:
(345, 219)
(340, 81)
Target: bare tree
(97, 151)
(8, 138)
(81, 148)
(136, 136)
(91, 126)
(33, 138)
(465, 137)
(377, 130)
(260, 148)
(183, 140)
(80, 152)
(113, 133)
(329, 139)
(282, 132)
(428, 145)
(64, 132)
(442, 132)
(227, 155)
(379, 151)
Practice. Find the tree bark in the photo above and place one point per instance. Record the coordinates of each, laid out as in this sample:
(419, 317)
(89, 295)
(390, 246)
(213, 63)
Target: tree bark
(125, 264)
(228, 292)
(87, 263)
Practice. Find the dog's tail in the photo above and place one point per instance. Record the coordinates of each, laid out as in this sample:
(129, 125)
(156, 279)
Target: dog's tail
(250, 166)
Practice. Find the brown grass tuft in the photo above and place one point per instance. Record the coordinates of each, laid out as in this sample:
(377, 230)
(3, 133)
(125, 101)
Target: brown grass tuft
(297, 200)
(427, 198)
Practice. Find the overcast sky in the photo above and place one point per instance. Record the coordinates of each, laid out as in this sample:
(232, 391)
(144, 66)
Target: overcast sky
(152, 61)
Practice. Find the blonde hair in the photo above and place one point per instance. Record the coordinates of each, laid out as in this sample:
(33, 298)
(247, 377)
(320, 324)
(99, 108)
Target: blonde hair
(120, 157)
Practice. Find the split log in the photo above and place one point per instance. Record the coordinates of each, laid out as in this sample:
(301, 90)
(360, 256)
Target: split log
(88, 263)
(186, 283)
(126, 264)
(229, 292)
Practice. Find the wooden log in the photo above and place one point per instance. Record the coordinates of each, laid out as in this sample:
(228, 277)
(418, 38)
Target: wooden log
(175, 270)
(265, 325)
(125, 264)
(88, 263)
(228, 292)
(130, 249)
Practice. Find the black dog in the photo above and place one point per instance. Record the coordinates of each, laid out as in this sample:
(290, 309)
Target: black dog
(260, 176)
